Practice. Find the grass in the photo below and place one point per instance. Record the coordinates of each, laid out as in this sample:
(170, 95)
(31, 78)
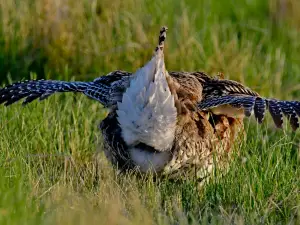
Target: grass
(50, 173)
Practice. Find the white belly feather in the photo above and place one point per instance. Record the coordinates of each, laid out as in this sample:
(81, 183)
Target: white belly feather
(149, 161)
(147, 112)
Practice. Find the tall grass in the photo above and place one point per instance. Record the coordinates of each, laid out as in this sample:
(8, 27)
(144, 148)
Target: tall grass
(251, 41)
(50, 171)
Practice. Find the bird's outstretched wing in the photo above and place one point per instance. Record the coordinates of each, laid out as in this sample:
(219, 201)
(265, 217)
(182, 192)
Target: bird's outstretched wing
(258, 105)
(103, 89)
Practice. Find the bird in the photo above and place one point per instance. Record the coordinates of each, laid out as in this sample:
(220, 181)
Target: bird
(171, 124)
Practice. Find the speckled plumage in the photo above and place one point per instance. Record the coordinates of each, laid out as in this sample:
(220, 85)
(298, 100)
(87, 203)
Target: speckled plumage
(209, 117)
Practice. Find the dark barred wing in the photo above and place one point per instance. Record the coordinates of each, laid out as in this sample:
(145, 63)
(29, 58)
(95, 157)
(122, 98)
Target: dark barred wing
(258, 105)
(116, 83)
(42, 89)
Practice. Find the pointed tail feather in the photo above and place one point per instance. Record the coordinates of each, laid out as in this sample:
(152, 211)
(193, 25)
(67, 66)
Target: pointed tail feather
(291, 109)
(259, 109)
(296, 106)
(275, 112)
(161, 38)
(279, 108)
(288, 110)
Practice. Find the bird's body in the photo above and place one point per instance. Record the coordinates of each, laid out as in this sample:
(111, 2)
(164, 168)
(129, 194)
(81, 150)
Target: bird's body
(200, 138)
(167, 123)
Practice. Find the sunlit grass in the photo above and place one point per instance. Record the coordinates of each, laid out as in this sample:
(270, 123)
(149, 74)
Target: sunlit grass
(50, 172)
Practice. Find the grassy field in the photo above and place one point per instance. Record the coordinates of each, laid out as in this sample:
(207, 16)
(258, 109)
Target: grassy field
(49, 172)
